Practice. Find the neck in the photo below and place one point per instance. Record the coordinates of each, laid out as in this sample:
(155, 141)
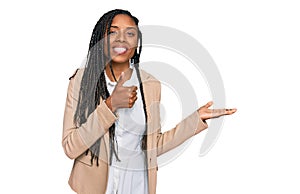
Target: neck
(118, 68)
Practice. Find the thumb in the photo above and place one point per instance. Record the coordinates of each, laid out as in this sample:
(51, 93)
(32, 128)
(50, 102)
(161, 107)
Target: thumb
(208, 104)
(121, 80)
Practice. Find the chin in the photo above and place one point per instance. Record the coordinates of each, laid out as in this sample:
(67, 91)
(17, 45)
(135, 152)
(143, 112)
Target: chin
(120, 59)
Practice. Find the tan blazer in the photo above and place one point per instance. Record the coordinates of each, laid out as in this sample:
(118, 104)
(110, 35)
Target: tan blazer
(86, 178)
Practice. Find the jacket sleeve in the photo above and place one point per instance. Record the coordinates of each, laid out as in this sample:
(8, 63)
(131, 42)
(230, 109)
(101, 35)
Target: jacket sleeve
(187, 128)
(76, 140)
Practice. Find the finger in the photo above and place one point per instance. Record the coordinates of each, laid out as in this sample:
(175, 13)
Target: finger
(221, 112)
(134, 88)
(132, 101)
(230, 111)
(134, 93)
(131, 89)
(218, 112)
(208, 104)
(125, 75)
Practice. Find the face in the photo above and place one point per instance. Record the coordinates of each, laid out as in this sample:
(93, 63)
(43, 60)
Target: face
(123, 36)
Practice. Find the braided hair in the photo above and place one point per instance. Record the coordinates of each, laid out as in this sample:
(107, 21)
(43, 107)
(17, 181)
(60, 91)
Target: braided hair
(93, 84)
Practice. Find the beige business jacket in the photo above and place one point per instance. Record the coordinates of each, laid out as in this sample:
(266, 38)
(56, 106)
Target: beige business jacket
(86, 178)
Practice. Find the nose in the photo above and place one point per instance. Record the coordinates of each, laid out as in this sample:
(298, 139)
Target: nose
(121, 36)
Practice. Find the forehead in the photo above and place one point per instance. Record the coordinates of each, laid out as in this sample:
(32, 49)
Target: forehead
(123, 21)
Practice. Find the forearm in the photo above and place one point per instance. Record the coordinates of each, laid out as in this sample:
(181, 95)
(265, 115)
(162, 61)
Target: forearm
(77, 139)
(184, 130)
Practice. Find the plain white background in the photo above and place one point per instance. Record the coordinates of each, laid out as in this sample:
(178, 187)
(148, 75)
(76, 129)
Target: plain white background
(255, 45)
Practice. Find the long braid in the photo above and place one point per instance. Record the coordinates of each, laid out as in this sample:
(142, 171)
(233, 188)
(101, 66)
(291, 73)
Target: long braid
(108, 46)
(93, 84)
(112, 128)
(136, 59)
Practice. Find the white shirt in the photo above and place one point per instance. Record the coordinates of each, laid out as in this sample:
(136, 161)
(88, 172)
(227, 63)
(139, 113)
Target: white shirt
(128, 176)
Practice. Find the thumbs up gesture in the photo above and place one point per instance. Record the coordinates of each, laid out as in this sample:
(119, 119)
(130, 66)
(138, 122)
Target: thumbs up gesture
(122, 96)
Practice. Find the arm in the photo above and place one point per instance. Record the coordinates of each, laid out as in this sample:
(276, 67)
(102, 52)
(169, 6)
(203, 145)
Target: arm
(172, 138)
(77, 140)
(190, 126)
(187, 128)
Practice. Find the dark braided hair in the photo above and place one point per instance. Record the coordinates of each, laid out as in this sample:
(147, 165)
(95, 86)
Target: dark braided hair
(93, 84)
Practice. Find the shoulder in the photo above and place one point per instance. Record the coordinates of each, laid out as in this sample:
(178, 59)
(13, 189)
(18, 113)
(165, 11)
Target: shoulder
(78, 73)
(74, 82)
(75, 79)
(150, 81)
(151, 84)
(73, 74)
(145, 76)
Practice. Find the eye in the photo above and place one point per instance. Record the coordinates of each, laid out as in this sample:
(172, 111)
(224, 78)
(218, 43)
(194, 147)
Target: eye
(112, 32)
(130, 34)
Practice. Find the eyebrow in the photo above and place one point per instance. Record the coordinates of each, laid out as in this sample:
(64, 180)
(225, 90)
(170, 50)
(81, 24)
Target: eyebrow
(128, 28)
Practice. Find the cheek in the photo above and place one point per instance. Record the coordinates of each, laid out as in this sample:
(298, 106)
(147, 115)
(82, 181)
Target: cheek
(133, 46)
(133, 42)
(131, 53)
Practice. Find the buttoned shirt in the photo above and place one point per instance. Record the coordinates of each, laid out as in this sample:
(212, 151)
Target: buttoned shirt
(129, 175)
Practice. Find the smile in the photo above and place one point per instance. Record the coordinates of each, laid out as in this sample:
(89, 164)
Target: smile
(120, 50)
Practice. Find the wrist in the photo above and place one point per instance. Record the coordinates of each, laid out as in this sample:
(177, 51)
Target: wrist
(201, 116)
(109, 104)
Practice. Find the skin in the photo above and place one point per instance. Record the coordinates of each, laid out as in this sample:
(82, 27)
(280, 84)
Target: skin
(124, 34)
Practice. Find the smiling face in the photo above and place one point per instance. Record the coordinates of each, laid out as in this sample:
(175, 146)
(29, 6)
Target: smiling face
(123, 35)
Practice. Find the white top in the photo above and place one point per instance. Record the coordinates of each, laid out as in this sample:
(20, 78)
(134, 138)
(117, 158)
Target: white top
(130, 174)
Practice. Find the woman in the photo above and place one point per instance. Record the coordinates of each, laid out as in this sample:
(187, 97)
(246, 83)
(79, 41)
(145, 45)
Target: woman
(111, 122)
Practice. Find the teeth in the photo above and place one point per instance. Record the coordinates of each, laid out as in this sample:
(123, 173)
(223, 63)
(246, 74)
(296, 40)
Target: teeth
(119, 49)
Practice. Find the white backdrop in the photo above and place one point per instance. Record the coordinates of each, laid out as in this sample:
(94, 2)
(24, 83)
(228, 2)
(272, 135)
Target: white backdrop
(255, 45)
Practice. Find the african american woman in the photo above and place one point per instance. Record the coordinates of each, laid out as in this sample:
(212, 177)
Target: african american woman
(111, 122)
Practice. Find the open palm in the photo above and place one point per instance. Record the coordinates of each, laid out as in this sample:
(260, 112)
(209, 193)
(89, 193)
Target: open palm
(206, 113)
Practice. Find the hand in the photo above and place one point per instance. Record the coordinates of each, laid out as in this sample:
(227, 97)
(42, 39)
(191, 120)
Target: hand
(206, 113)
(122, 96)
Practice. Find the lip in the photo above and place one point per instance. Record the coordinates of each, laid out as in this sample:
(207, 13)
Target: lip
(120, 49)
